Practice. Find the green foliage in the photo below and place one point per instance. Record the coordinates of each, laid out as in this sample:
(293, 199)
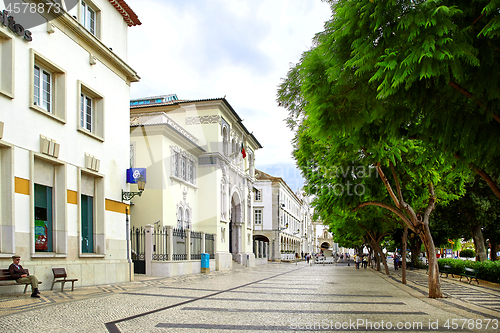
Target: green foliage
(467, 253)
(487, 270)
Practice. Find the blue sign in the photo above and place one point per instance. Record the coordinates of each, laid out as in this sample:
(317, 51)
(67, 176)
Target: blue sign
(133, 175)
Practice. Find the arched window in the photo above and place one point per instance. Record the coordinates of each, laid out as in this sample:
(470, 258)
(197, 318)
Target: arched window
(225, 141)
(186, 220)
(179, 218)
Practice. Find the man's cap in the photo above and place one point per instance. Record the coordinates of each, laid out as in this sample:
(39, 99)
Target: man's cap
(15, 257)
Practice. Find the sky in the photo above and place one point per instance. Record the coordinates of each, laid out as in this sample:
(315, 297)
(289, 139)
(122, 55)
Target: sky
(241, 49)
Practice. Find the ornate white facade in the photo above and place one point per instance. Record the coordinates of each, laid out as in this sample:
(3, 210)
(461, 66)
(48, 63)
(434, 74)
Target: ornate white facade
(192, 151)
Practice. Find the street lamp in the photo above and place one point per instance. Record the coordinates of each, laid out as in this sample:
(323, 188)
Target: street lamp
(141, 184)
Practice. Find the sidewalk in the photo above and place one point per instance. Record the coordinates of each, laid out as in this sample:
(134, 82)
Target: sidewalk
(283, 297)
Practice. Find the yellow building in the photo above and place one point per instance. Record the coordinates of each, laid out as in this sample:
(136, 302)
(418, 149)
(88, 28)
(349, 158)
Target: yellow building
(197, 175)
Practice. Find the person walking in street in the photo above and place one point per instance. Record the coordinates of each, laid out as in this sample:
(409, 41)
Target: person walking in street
(358, 261)
(365, 261)
(396, 262)
(23, 276)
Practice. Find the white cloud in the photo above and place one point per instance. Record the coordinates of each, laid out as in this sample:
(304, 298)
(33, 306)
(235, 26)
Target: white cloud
(238, 48)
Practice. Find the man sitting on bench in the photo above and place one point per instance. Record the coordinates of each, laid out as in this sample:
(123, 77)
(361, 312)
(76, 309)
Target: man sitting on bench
(23, 276)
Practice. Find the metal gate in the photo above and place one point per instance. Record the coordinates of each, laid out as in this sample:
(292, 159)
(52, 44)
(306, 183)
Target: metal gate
(137, 240)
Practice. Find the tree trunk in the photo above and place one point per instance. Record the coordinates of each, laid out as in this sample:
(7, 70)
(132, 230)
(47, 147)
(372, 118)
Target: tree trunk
(433, 272)
(415, 244)
(378, 249)
(376, 254)
(403, 255)
(479, 243)
(494, 249)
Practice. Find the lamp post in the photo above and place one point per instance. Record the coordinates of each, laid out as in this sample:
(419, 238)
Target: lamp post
(141, 184)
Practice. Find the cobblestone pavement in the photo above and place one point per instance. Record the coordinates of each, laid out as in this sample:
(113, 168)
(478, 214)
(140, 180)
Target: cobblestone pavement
(274, 297)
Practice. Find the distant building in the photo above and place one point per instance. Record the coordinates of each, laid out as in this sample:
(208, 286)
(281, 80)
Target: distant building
(64, 141)
(281, 218)
(199, 159)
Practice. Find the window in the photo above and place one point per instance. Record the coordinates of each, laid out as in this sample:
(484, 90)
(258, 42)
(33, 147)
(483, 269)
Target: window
(186, 220)
(258, 216)
(49, 227)
(175, 165)
(86, 112)
(43, 219)
(88, 18)
(179, 218)
(6, 65)
(258, 195)
(183, 166)
(91, 112)
(48, 87)
(92, 210)
(87, 231)
(190, 172)
(43, 88)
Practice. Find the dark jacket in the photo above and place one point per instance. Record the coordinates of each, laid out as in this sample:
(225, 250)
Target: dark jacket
(17, 272)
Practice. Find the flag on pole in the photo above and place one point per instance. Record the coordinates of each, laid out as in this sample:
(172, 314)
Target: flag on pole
(243, 151)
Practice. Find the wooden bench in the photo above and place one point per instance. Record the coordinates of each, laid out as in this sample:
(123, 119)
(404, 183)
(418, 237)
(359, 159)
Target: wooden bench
(7, 280)
(446, 269)
(470, 274)
(61, 276)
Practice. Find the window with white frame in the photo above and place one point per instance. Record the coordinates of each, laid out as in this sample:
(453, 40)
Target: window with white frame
(91, 111)
(48, 87)
(186, 220)
(179, 217)
(258, 216)
(42, 85)
(86, 112)
(258, 195)
(183, 166)
(88, 17)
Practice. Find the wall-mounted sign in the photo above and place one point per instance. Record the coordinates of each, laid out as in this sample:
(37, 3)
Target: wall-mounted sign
(134, 173)
(16, 28)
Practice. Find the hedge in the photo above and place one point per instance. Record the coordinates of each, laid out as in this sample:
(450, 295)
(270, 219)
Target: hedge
(487, 270)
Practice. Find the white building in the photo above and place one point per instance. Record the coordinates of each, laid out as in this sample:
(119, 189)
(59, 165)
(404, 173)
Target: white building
(64, 141)
(281, 218)
(197, 176)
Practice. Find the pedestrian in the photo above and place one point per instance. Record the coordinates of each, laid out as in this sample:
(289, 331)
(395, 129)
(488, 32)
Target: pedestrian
(307, 257)
(396, 262)
(358, 261)
(22, 275)
(365, 261)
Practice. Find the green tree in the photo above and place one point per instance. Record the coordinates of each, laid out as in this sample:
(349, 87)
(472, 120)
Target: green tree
(421, 69)
(395, 72)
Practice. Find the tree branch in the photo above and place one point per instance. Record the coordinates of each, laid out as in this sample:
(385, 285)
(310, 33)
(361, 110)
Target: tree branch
(396, 179)
(491, 183)
(386, 206)
(387, 185)
(431, 204)
(470, 96)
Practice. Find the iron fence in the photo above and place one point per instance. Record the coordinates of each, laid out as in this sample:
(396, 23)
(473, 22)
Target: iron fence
(137, 243)
(210, 245)
(179, 236)
(160, 243)
(137, 247)
(195, 245)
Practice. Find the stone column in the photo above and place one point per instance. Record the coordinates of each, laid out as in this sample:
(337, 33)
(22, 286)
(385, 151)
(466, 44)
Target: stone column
(202, 242)
(148, 249)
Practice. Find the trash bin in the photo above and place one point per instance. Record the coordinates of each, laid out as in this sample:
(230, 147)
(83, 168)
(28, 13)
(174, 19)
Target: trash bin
(205, 263)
